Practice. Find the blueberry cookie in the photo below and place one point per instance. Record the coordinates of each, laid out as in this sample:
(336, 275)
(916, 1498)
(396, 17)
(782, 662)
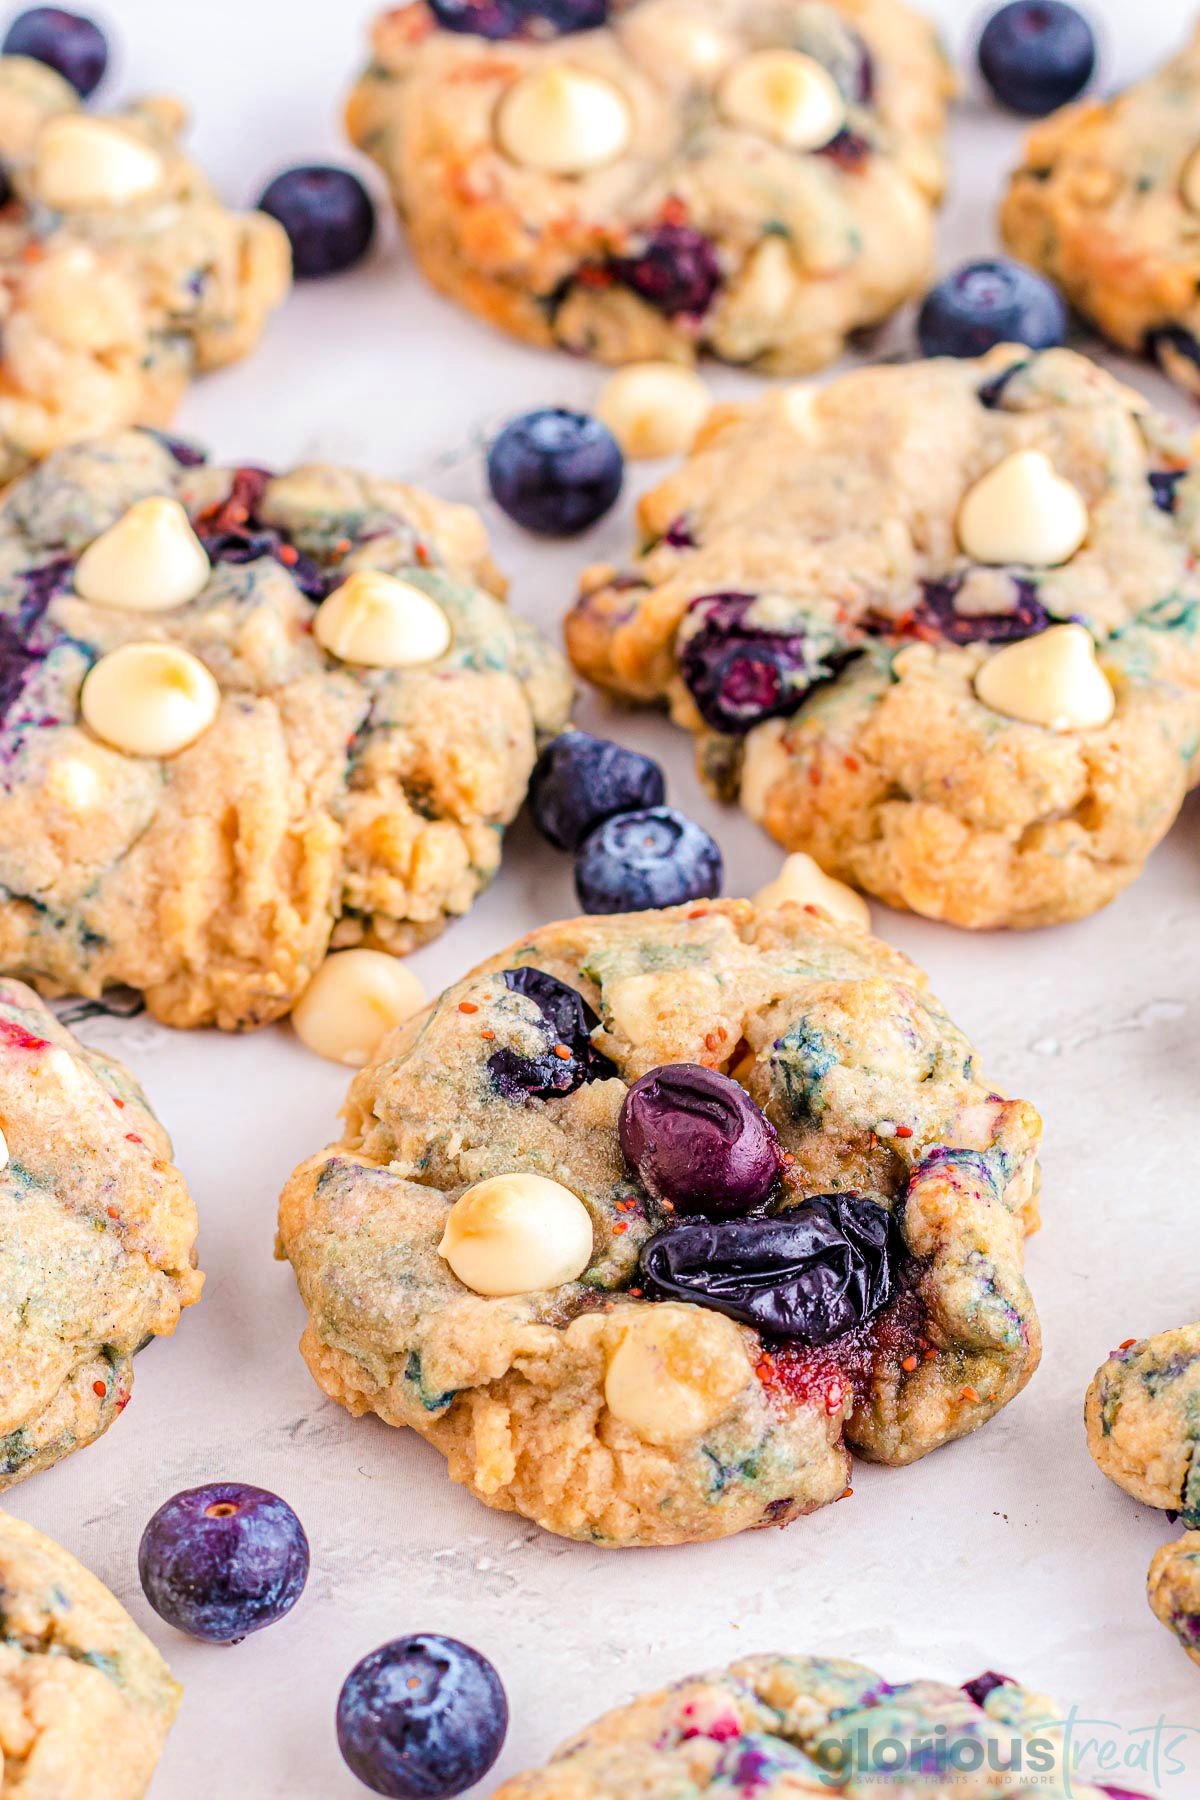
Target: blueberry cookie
(245, 716)
(123, 275)
(634, 179)
(1107, 202)
(1143, 1427)
(783, 1727)
(86, 1701)
(652, 1218)
(935, 625)
(97, 1237)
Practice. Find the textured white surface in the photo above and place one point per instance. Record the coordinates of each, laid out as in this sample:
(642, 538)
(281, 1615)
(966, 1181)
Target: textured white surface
(1008, 1551)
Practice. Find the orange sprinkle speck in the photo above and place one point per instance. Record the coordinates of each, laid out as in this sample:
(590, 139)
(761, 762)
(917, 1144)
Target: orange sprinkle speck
(904, 1131)
(698, 912)
(288, 555)
(98, 1387)
(112, 1212)
(485, 1033)
(970, 1393)
(131, 1137)
(814, 776)
(847, 1493)
(931, 1355)
(562, 1051)
(342, 546)
(852, 763)
(711, 1040)
(637, 1292)
(119, 1103)
(467, 1006)
(910, 1363)
(422, 555)
(1128, 1344)
(620, 1226)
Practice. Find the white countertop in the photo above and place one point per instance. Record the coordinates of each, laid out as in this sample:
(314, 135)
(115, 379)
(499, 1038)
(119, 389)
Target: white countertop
(1007, 1551)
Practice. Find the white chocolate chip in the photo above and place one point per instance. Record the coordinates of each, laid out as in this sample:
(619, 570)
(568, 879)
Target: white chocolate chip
(764, 762)
(654, 408)
(381, 622)
(563, 121)
(517, 1234)
(72, 784)
(1023, 511)
(80, 161)
(783, 95)
(149, 699)
(3, 1151)
(1189, 181)
(675, 1372)
(1052, 680)
(149, 561)
(805, 882)
(352, 1002)
(668, 35)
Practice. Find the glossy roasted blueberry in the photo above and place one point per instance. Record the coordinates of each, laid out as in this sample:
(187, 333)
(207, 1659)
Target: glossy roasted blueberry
(69, 42)
(983, 1685)
(483, 18)
(677, 272)
(569, 1022)
(1163, 485)
(809, 1275)
(696, 1139)
(1035, 55)
(555, 472)
(936, 615)
(327, 213)
(740, 674)
(640, 860)
(422, 1718)
(223, 1560)
(989, 302)
(579, 781)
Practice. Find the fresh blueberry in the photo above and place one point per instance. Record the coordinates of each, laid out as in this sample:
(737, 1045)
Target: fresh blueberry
(936, 615)
(66, 41)
(993, 301)
(1036, 55)
(579, 781)
(983, 1685)
(677, 272)
(809, 1275)
(639, 860)
(696, 1139)
(514, 18)
(327, 213)
(738, 673)
(569, 1023)
(555, 472)
(223, 1560)
(1163, 483)
(421, 1718)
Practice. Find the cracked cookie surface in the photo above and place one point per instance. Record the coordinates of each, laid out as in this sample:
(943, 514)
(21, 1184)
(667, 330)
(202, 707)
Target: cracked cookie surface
(872, 1092)
(703, 233)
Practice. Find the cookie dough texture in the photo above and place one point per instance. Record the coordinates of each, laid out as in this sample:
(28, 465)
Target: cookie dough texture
(1143, 1428)
(107, 311)
(1107, 202)
(872, 1089)
(86, 1701)
(703, 234)
(831, 517)
(328, 804)
(785, 1727)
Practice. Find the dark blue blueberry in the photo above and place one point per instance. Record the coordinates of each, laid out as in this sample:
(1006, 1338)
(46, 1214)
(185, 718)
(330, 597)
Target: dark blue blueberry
(936, 616)
(994, 393)
(1163, 483)
(579, 781)
(554, 471)
(809, 1275)
(188, 456)
(569, 1022)
(6, 189)
(696, 1139)
(739, 674)
(646, 859)
(516, 18)
(422, 1718)
(233, 533)
(223, 1560)
(677, 272)
(16, 660)
(983, 1685)
(993, 301)
(327, 213)
(40, 585)
(66, 41)
(679, 534)
(849, 149)
(1036, 55)
(569, 15)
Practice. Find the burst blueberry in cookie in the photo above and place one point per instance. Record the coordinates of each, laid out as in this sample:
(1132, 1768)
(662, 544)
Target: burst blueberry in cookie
(652, 179)
(300, 693)
(958, 671)
(769, 1215)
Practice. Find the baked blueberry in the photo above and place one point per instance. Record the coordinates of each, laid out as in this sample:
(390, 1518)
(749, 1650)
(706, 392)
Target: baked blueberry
(69, 42)
(936, 615)
(696, 1139)
(1163, 485)
(223, 1560)
(327, 213)
(569, 1059)
(555, 472)
(579, 781)
(421, 1718)
(677, 272)
(985, 1684)
(496, 19)
(739, 673)
(651, 858)
(989, 302)
(1035, 55)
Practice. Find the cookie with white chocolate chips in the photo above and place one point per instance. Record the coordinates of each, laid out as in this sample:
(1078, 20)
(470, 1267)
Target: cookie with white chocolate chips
(245, 717)
(937, 625)
(123, 274)
(649, 178)
(1143, 1428)
(651, 1219)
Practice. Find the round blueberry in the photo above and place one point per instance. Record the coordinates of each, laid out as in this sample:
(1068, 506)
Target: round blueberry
(223, 1560)
(327, 213)
(696, 1139)
(1036, 55)
(985, 1684)
(579, 781)
(555, 472)
(421, 1718)
(739, 673)
(991, 302)
(69, 42)
(639, 860)
(677, 272)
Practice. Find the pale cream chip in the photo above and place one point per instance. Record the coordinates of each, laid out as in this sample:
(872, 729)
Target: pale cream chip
(783, 95)
(352, 1002)
(675, 1371)
(149, 561)
(562, 120)
(517, 1234)
(85, 162)
(1052, 680)
(149, 699)
(654, 409)
(381, 622)
(805, 882)
(1023, 511)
